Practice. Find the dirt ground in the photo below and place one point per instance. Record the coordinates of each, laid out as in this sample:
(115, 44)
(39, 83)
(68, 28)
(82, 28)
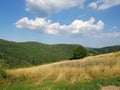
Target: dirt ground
(110, 88)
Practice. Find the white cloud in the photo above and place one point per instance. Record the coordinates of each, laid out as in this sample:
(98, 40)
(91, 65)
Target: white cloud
(44, 8)
(46, 26)
(93, 5)
(104, 4)
(106, 35)
(38, 23)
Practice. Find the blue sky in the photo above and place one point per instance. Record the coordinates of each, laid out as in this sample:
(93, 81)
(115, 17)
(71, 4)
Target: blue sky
(92, 23)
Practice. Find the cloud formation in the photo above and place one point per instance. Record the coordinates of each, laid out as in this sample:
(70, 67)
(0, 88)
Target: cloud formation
(44, 8)
(104, 4)
(46, 26)
(106, 35)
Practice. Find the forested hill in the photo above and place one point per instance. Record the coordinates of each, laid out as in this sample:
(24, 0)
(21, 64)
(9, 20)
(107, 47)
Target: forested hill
(32, 53)
(13, 54)
(108, 49)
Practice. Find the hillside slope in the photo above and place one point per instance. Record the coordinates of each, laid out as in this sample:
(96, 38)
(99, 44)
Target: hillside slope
(15, 54)
(106, 65)
(32, 53)
(108, 49)
(90, 73)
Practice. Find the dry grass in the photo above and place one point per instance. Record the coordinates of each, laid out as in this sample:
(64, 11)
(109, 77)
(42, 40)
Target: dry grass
(110, 88)
(101, 66)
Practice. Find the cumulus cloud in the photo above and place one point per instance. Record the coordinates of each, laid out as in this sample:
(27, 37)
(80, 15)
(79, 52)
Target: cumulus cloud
(104, 4)
(38, 23)
(44, 8)
(46, 26)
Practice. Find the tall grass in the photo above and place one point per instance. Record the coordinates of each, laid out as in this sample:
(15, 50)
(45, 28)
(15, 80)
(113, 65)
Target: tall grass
(101, 66)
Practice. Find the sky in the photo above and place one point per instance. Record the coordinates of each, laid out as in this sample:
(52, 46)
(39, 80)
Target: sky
(92, 23)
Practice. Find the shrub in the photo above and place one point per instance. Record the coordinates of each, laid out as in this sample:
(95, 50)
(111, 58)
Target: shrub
(3, 74)
(79, 52)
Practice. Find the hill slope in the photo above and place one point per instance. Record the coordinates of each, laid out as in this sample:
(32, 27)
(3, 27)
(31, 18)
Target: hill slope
(108, 49)
(24, 54)
(90, 73)
(106, 65)
(32, 53)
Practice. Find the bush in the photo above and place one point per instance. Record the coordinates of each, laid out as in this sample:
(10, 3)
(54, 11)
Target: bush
(3, 74)
(79, 52)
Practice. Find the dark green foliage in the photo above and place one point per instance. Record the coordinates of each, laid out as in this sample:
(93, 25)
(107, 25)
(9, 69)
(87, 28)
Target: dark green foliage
(92, 52)
(3, 74)
(79, 52)
(32, 53)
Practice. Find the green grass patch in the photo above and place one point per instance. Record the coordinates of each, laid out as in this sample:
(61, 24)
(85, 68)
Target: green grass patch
(94, 84)
(20, 86)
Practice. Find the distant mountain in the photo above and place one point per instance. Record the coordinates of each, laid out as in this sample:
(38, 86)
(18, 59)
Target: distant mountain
(13, 54)
(108, 49)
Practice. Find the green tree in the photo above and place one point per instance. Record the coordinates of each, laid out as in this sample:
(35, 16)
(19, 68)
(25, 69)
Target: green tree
(79, 52)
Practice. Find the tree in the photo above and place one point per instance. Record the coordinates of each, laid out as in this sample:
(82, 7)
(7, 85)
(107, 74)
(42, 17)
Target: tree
(79, 52)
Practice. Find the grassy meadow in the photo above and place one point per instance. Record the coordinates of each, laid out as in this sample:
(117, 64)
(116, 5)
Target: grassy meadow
(90, 73)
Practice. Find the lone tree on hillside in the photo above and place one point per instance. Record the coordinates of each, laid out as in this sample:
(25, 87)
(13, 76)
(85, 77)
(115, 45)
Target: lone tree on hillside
(79, 52)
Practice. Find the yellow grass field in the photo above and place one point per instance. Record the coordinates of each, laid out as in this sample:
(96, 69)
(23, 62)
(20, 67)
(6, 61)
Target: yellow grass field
(101, 66)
